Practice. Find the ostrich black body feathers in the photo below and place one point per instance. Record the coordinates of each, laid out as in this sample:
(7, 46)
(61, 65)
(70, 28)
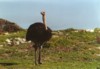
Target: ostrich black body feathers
(37, 33)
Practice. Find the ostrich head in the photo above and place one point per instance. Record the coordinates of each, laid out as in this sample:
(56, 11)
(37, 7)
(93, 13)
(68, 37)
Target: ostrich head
(43, 13)
(44, 19)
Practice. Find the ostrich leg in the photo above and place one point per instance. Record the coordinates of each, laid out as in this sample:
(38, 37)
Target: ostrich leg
(35, 47)
(39, 57)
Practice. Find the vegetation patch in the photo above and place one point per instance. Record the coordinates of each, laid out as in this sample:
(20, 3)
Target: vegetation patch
(69, 50)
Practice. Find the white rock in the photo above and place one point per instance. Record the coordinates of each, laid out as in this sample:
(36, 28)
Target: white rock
(98, 47)
(97, 54)
(1, 46)
(8, 40)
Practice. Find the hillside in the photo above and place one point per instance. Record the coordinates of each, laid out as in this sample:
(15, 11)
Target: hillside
(7, 26)
(68, 49)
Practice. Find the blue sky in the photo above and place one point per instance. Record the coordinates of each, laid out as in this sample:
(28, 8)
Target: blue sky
(80, 14)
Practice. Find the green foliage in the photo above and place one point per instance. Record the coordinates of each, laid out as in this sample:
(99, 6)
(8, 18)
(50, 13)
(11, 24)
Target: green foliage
(97, 30)
(12, 35)
(69, 30)
(71, 50)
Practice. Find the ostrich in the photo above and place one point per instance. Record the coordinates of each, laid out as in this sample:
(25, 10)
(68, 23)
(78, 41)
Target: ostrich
(39, 33)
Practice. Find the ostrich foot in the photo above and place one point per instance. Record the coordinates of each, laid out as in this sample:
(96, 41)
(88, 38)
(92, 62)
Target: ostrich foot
(39, 63)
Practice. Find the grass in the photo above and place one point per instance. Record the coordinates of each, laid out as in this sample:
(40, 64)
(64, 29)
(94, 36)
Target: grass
(53, 58)
(71, 51)
(22, 64)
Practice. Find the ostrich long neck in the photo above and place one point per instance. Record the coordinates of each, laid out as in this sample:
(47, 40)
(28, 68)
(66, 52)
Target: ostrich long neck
(44, 21)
